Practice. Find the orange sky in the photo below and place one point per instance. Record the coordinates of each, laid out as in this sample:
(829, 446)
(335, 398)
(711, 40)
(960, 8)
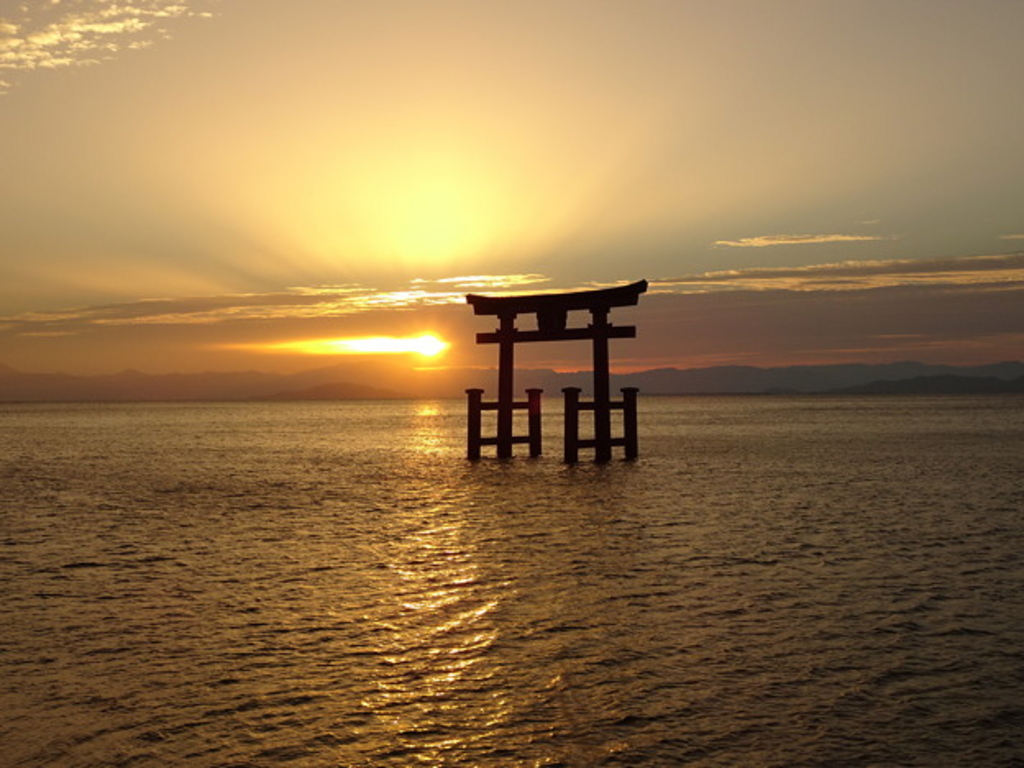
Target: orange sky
(801, 182)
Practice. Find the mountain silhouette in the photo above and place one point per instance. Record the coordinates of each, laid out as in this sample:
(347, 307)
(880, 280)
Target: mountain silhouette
(939, 385)
(339, 391)
(377, 381)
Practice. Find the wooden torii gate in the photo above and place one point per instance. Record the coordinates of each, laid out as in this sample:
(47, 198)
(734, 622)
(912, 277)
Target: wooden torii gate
(552, 318)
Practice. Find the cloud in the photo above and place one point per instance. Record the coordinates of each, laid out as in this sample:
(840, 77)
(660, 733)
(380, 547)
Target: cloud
(82, 32)
(1011, 237)
(321, 302)
(957, 323)
(953, 310)
(764, 241)
(1006, 270)
(300, 302)
(485, 282)
(962, 309)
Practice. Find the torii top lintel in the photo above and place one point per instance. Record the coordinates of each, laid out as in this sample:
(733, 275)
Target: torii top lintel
(605, 298)
(552, 310)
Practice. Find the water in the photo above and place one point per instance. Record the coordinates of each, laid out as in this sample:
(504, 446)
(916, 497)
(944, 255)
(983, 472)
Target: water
(777, 581)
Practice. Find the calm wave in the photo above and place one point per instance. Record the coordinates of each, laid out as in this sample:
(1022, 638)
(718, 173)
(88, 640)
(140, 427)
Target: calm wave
(777, 581)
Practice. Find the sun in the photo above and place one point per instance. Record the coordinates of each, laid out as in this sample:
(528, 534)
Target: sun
(426, 345)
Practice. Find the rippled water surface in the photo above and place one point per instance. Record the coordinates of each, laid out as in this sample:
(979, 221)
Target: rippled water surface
(777, 581)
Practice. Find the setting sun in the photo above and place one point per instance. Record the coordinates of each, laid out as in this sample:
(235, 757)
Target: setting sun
(425, 344)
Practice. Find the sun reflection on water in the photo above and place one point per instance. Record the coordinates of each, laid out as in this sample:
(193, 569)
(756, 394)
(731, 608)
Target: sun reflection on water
(431, 434)
(424, 410)
(438, 631)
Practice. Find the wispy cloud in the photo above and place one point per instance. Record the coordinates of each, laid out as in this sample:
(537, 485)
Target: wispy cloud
(1007, 270)
(764, 241)
(328, 302)
(963, 309)
(299, 302)
(1011, 237)
(484, 282)
(74, 33)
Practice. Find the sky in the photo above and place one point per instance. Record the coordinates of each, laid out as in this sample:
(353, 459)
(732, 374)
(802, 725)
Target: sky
(193, 185)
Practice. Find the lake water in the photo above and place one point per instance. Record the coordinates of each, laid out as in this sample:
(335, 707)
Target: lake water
(776, 582)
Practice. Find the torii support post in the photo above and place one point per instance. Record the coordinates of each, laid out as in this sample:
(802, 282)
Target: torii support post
(629, 422)
(602, 386)
(474, 420)
(552, 313)
(533, 407)
(573, 441)
(572, 424)
(506, 368)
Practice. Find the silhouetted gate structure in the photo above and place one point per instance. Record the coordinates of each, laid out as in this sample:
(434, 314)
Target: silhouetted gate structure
(552, 312)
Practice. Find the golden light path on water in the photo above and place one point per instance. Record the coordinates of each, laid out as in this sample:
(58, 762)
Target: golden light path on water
(436, 635)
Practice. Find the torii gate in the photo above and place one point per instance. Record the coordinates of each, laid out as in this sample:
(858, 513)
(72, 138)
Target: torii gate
(552, 313)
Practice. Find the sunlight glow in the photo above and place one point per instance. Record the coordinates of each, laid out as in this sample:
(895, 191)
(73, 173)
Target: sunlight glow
(426, 345)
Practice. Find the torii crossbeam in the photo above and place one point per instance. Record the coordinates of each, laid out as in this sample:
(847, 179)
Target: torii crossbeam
(552, 311)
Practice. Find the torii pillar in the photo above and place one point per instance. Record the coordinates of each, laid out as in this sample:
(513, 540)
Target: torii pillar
(552, 316)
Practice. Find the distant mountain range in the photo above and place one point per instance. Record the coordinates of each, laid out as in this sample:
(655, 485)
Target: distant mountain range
(346, 382)
(940, 385)
(339, 391)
